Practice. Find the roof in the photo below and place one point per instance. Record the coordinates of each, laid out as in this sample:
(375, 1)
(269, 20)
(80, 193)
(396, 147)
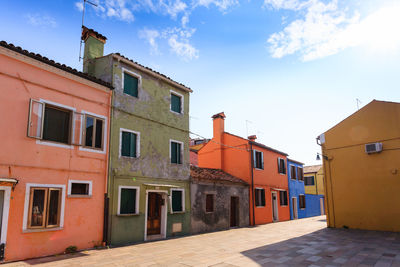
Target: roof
(54, 64)
(312, 168)
(219, 115)
(295, 161)
(166, 78)
(87, 31)
(196, 148)
(268, 148)
(214, 175)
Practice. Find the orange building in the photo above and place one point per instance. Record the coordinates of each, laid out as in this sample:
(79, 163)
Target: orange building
(264, 168)
(53, 156)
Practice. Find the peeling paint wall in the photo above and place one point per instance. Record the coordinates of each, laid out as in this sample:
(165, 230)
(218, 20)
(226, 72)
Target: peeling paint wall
(203, 221)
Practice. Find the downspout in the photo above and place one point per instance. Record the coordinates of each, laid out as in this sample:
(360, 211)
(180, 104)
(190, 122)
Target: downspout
(252, 181)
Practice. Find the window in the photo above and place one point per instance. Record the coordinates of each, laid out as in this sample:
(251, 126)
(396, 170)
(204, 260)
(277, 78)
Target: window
(302, 202)
(281, 166)
(283, 198)
(177, 199)
(176, 152)
(44, 207)
(210, 203)
(54, 122)
(258, 159)
(293, 172)
(94, 129)
(79, 188)
(300, 174)
(128, 200)
(260, 197)
(129, 143)
(131, 84)
(176, 102)
(309, 180)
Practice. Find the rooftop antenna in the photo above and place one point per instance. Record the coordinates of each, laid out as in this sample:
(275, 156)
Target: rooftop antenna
(358, 102)
(83, 18)
(247, 127)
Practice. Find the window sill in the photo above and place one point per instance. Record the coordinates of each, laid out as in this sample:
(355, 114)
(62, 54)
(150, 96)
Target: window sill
(94, 150)
(178, 212)
(284, 205)
(79, 196)
(258, 169)
(137, 97)
(126, 157)
(51, 143)
(127, 215)
(260, 206)
(209, 212)
(176, 163)
(26, 231)
(177, 113)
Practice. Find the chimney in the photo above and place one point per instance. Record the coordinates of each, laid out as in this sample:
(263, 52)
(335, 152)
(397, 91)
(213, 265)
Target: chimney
(94, 48)
(218, 125)
(252, 138)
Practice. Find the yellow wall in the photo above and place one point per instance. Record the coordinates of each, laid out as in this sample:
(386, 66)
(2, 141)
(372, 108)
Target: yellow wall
(362, 190)
(311, 189)
(318, 183)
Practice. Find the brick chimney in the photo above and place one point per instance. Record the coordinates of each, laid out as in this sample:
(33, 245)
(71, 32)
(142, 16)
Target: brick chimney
(218, 126)
(94, 48)
(252, 138)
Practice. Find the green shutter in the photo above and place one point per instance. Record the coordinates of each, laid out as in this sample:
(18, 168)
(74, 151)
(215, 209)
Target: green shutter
(133, 145)
(176, 103)
(174, 156)
(130, 85)
(128, 201)
(177, 201)
(179, 154)
(128, 146)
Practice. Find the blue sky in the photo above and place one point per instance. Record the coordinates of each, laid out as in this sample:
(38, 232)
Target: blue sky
(292, 69)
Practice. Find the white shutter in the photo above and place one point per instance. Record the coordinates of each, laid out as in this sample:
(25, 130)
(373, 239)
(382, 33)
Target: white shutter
(35, 121)
(254, 159)
(78, 129)
(279, 165)
(262, 160)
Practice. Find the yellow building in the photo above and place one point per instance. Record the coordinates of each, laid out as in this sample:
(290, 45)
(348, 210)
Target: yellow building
(361, 157)
(314, 179)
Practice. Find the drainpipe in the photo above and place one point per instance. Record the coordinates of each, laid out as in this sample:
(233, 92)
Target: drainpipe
(252, 181)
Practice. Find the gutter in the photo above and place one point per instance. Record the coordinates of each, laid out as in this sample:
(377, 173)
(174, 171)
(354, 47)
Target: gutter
(252, 181)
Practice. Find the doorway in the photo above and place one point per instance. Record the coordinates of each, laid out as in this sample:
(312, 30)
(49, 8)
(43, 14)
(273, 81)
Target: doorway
(294, 208)
(275, 217)
(322, 206)
(234, 212)
(5, 193)
(156, 215)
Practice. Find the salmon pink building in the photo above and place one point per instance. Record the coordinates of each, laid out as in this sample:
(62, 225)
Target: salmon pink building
(53, 157)
(262, 167)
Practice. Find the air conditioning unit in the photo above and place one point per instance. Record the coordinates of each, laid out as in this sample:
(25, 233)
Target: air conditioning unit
(373, 148)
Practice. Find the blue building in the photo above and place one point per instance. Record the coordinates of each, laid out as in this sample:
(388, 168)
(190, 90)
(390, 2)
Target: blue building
(296, 189)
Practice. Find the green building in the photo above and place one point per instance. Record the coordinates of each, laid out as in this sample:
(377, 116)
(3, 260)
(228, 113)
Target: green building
(148, 182)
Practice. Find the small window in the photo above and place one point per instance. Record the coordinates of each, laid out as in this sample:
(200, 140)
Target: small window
(131, 85)
(260, 197)
(176, 152)
(129, 144)
(302, 202)
(79, 188)
(44, 207)
(128, 200)
(283, 198)
(300, 174)
(258, 159)
(293, 172)
(309, 180)
(177, 200)
(176, 103)
(210, 203)
(94, 129)
(281, 166)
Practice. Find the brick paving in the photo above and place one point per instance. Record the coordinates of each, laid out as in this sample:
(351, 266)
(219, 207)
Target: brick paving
(304, 242)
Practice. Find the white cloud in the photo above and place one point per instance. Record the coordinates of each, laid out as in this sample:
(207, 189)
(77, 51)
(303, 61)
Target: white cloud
(41, 20)
(223, 5)
(150, 36)
(79, 6)
(173, 8)
(326, 30)
(182, 48)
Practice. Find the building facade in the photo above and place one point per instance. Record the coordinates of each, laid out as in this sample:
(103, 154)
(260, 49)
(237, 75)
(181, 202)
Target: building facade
(361, 163)
(262, 167)
(54, 155)
(297, 197)
(314, 189)
(219, 200)
(149, 170)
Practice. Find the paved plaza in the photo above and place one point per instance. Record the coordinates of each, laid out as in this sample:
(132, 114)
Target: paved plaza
(304, 242)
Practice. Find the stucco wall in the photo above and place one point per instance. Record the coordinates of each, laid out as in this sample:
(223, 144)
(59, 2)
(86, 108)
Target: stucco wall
(296, 188)
(313, 206)
(220, 218)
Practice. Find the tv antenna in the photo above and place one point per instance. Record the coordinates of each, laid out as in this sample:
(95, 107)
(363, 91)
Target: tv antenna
(358, 102)
(83, 18)
(247, 127)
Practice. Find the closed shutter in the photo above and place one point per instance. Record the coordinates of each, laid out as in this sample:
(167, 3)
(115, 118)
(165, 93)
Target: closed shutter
(262, 160)
(179, 153)
(130, 85)
(262, 197)
(279, 165)
(128, 201)
(174, 155)
(132, 147)
(177, 201)
(176, 103)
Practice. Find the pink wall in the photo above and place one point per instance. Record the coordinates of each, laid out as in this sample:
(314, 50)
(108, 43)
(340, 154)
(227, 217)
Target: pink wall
(23, 158)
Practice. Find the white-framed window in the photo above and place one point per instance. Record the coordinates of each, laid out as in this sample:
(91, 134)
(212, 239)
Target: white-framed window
(283, 198)
(281, 166)
(258, 157)
(54, 124)
(177, 200)
(259, 195)
(78, 188)
(131, 82)
(176, 104)
(309, 180)
(176, 151)
(129, 143)
(44, 207)
(128, 200)
(94, 136)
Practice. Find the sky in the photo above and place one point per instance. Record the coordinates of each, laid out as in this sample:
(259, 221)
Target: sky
(284, 70)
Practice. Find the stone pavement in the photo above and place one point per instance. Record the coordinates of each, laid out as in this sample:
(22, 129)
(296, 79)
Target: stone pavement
(304, 242)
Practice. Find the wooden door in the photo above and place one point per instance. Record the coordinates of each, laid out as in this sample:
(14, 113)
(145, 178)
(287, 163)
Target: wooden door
(294, 208)
(234, 211)
(154, 214)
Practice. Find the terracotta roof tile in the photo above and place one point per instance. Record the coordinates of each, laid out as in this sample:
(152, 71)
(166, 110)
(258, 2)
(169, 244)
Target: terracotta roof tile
(214, 175)
(312, 168)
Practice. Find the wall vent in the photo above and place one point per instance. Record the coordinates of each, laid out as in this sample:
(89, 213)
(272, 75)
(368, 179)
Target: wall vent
(373, 148)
